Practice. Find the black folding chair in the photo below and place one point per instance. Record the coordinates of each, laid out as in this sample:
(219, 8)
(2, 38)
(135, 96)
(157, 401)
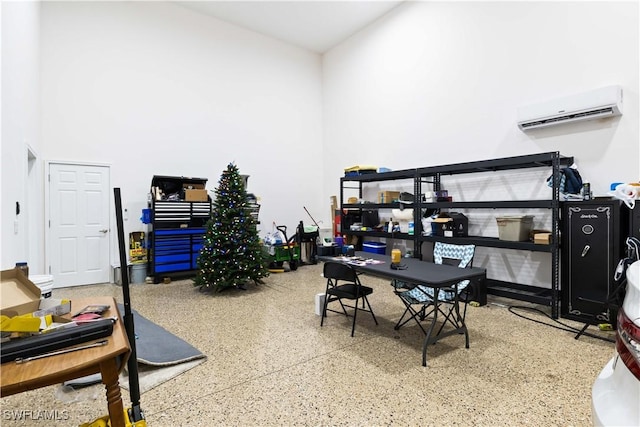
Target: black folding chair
(343, 283)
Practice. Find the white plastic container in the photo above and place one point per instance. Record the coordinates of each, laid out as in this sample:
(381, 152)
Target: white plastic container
(319, 303)
(44, 282)
(515, 228)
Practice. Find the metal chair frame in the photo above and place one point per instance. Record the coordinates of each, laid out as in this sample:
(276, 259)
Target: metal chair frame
(351, 289)
(418, 295)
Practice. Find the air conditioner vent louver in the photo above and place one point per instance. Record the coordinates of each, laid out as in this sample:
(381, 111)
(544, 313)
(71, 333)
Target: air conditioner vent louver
(593, 114)
(597, 104)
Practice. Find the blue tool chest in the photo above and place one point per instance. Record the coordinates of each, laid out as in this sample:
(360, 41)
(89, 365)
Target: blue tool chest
(177, 249)
(178, 226)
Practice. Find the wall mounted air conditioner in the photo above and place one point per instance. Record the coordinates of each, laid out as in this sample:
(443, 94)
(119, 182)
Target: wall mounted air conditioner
(595, 104)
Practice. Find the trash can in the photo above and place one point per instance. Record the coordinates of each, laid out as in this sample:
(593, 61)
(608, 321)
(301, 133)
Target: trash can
(116, 274)
(138, 272)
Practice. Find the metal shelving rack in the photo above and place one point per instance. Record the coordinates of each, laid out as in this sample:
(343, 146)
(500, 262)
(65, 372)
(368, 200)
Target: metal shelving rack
(357, 183)
(433, 176)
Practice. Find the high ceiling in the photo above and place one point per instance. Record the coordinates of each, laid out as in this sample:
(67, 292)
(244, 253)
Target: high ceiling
(314, 25)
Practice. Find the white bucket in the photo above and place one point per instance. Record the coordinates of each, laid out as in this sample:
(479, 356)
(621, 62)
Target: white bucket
(320, 303)
(44, 282)
(325, 234)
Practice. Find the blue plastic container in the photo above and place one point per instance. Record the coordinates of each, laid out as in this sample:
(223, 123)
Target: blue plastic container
(147, 216)
(374, 247)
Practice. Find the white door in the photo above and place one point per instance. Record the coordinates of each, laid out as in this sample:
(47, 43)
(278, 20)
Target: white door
(78, 224)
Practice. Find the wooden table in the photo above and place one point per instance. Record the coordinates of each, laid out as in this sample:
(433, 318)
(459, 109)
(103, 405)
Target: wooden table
(108, 360)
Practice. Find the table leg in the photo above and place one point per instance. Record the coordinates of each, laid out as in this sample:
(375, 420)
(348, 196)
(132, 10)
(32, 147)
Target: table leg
(109, 371)
(460, 319)
(433, 324)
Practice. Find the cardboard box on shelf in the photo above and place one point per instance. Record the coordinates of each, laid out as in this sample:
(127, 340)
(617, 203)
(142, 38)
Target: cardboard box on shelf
(388, 196)
(195, 195)
(542, 238)
(195, 192)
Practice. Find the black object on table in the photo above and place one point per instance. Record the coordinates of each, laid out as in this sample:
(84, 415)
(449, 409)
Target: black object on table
(41, 344)
(436, 276)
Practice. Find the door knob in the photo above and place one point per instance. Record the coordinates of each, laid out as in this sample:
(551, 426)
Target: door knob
(104, 230)
(585, 250)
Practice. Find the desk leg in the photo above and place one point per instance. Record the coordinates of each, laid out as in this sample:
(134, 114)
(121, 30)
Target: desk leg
(109, 371)
(427, 339)
(460, 319)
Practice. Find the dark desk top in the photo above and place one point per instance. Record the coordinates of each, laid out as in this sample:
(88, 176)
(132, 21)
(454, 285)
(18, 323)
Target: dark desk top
(416, 271)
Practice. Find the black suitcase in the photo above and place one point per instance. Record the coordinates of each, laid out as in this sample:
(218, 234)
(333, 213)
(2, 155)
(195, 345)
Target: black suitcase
(40, 344)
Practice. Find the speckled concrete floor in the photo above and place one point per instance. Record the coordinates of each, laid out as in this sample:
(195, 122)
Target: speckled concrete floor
(270, 364)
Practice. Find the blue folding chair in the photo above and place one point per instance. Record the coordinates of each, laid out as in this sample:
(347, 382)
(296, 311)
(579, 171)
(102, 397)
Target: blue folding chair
(419, 300)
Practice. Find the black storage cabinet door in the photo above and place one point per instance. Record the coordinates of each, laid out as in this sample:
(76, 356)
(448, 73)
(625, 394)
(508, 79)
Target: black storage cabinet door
(593, 233)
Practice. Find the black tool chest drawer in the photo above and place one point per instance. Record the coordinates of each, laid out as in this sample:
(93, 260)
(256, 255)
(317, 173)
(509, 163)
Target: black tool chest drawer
(177, 214)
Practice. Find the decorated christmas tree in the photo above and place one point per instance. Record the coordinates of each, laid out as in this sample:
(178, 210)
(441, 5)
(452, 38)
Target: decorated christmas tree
(231, 253)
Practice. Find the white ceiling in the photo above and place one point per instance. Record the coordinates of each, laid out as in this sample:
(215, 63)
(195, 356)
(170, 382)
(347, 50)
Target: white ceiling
(314, 25)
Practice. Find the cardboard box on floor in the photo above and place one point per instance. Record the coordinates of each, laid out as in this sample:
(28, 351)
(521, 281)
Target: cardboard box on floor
(19, 295)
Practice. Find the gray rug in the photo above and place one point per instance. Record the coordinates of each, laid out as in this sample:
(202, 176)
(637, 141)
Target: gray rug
(156, 346)
(161, 357)
(152, 376)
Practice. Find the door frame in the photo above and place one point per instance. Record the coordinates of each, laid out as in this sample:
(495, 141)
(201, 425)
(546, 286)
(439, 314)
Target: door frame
(47, 207)
(33, 207)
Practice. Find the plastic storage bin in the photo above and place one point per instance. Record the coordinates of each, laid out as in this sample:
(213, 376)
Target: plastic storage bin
(320, 303)
(515, 228)
(44, 282)
(375, 247)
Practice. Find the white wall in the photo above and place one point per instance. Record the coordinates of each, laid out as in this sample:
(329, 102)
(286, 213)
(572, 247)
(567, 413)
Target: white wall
(440, 82)
(152, 88)
(21, 234)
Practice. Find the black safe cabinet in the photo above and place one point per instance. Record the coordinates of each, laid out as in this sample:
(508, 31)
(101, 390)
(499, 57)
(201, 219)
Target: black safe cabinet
(634, 221)
(593, 234)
